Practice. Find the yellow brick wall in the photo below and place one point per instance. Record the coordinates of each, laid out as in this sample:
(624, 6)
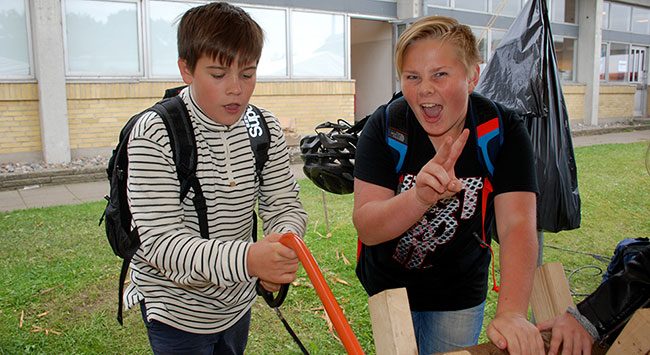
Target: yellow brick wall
(307, 104)
(19, 121)
(616, 101)
(97, 111)
(574, 98)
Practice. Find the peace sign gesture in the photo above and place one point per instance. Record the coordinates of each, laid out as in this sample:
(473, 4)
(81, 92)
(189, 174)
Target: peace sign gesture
(437, 179)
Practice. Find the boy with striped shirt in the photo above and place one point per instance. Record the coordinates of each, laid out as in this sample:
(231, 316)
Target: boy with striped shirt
(196, 294)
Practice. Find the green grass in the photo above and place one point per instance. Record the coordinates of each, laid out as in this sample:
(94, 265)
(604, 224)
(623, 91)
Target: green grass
(58, 271)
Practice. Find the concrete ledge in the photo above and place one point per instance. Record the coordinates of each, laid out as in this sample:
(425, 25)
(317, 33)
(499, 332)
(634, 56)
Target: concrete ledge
(51, 177)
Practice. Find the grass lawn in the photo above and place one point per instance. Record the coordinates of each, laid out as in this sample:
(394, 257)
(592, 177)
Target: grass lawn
(58, 284)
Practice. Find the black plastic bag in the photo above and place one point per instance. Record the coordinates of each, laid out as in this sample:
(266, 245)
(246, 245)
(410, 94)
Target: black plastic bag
(523, 75)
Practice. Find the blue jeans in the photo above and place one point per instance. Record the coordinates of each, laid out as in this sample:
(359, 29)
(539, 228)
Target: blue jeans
(437, 332)
(165, 339)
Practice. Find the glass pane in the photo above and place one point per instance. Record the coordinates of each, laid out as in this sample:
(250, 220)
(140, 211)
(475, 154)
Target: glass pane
(163, 23)
(318, 45)
(438, 2)
(482, 47)
(505, 7)
(478, 5)
(563, 11)
(619, 17)
(640, 18)
(497, 36)
(274, 53)
(14, 53)
(603, 60)
(605, 17)
(102, 37)
(565, 51)
(618, 56)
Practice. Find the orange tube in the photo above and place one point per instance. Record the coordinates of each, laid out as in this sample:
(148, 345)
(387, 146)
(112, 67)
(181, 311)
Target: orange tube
(332, 307)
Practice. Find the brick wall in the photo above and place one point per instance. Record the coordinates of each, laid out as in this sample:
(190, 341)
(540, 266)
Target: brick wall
(20, 130)
(614, 101)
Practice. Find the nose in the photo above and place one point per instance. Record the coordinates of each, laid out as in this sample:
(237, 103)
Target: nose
(234, 86)
(426, 88)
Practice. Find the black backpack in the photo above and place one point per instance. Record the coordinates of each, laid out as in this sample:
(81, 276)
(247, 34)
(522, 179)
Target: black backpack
(172, 110)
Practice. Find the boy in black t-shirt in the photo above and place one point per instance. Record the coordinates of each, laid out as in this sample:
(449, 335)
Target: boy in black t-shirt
(421, 227)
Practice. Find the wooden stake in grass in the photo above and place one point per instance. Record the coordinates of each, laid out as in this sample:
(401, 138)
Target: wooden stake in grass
(22, 316)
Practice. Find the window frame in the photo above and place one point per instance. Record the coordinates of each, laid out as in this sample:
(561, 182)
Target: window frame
(30, 50)
(141, 73)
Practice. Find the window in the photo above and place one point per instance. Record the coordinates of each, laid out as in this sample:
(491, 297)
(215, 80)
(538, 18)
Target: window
(477, 5)
(438, 3)
(565, 52)
(605, 17)
(102, 38)
(14, 43)
(640, 19)
(563, 11)
(505, 7)
(618, 61)
(619, 17)
(274, 54)
(603, 61)
(317, 45)
(497, 36)
(163, 24)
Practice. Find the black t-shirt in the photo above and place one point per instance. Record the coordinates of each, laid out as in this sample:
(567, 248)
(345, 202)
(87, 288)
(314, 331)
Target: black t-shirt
(439, 259)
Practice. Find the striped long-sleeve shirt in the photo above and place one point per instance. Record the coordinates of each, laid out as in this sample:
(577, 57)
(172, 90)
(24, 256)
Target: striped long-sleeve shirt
(194, 284)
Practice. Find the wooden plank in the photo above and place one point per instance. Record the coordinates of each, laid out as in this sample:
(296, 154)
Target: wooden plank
(550, 295)
(635, 337)
(392, 325)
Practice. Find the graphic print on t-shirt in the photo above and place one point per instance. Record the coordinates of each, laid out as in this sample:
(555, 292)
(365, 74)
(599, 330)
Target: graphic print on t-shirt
(438, 225)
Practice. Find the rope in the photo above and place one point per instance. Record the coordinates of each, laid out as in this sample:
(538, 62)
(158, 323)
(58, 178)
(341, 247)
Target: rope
(494, 17)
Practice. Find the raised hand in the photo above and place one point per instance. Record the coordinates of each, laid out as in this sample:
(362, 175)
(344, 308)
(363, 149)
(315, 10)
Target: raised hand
(437, 179)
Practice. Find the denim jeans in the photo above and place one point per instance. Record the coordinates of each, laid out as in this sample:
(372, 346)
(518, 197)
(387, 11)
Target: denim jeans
(447, 330)
(165, 339)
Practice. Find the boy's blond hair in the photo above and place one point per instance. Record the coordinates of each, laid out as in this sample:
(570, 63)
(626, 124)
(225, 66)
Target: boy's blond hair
(446, 29)
(220, 31)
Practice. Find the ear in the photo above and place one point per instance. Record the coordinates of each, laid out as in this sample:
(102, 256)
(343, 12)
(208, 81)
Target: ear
(472, 78)
(186, 73)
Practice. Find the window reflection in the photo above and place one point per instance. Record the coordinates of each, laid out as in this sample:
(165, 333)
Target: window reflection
(618, 57)
(274, 53)
(102, 37)
(14, 53)
(163, 24)
(317, 45)
(564, 52)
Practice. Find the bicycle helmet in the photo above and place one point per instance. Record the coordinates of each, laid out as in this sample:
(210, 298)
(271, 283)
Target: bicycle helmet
(329, 157)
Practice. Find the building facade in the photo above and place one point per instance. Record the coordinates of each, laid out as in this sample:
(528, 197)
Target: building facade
(73, 71)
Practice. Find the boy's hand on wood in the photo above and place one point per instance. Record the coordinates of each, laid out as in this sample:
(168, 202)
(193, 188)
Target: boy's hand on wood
(271, 261)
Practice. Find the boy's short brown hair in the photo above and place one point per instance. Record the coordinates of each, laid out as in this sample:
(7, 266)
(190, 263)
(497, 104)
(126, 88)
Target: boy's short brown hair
(446, 29)
(221, 31)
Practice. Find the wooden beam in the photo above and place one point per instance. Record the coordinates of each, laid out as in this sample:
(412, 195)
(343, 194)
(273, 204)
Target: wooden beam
(634, 338)
(550, 295)
(392, 325)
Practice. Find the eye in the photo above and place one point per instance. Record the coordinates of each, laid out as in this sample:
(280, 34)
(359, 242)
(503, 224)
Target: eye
(412, 77)
(217, 76)
(440, 74)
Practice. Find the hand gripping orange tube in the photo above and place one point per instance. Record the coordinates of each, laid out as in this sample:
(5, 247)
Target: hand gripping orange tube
(332, 307)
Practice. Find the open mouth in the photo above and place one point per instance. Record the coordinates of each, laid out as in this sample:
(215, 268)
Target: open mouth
(431, 111)
(232, 108)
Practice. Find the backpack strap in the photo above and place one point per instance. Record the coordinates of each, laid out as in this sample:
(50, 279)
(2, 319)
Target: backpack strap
(397, 129)
(488, 130)
(260, 138)
(174, 115)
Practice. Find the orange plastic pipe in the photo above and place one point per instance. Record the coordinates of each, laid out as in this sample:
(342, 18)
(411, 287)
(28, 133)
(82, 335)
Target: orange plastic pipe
(332, 307)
